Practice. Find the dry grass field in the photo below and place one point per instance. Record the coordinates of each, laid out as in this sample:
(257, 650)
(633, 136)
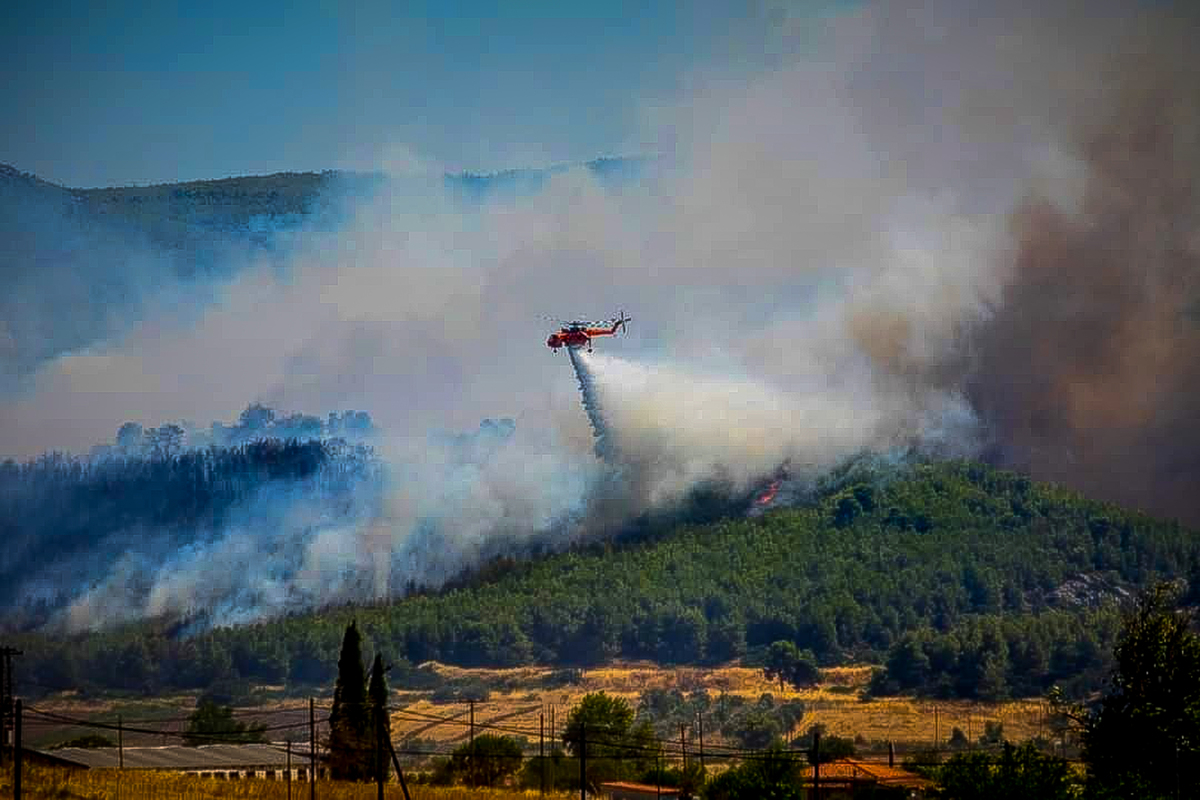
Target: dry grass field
(518, 697)
(59, 784)
(834, 702)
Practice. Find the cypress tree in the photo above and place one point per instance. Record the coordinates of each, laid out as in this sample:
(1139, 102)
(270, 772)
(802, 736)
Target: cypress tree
(377, 695)
(350, 751)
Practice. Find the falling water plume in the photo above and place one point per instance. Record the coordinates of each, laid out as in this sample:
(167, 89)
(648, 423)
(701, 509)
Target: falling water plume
(605, 449)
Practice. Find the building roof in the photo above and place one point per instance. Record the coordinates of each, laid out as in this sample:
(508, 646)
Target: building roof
(854, 771)
(210, 756)
(641, 788)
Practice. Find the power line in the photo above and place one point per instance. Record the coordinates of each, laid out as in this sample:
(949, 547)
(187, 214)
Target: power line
(627, 750)
(121, 727)
(728, 750)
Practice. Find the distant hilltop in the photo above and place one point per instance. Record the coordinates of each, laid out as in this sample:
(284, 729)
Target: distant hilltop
(97, 255)
(172, 213)
(298, 184)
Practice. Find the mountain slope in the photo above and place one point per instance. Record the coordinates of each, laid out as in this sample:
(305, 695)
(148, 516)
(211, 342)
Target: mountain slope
(1011, 583)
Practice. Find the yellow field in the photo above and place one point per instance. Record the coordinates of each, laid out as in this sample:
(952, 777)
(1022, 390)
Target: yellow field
(59, 784)
(834, 703)
(517, 709)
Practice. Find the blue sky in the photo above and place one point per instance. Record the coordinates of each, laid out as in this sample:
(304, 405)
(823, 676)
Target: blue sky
(115, 93)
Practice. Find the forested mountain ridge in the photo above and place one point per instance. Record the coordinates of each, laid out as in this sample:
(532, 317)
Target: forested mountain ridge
(965, 580)
(263, 203)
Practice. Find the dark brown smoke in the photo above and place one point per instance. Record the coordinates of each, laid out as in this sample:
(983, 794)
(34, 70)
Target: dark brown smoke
(1089, 372)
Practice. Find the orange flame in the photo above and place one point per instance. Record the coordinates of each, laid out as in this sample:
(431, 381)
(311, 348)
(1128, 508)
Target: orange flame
(769, 494)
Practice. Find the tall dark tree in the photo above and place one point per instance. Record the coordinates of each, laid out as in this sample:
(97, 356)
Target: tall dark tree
(350, 741)
(381, 723)
(1144, 739)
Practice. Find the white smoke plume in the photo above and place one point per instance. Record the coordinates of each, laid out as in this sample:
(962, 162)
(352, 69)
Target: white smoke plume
(822, 262)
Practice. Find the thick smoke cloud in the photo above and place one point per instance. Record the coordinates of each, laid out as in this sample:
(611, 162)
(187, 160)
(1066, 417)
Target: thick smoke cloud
(962, 228)
(1087, 373)
(1080, 363)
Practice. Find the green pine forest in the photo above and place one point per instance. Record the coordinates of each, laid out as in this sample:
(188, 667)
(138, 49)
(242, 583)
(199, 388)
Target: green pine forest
(961, 580)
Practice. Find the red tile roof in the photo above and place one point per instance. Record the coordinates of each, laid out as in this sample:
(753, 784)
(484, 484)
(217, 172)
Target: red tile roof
(645, 788)
(853, 770)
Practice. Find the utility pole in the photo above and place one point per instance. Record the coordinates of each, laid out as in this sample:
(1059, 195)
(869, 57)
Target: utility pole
(17, 753)
(700, 729)
(682, 747)
(937, 739)
(582, 761)
(6, 696)
(3, 712)
(120, 742)
(312, 750)
(542, 749)
(289, 769)
(817, 764)
(379, 751)
(472, 770)
(399, 772)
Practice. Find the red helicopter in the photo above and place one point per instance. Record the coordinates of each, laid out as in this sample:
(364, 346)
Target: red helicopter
(579, 334)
